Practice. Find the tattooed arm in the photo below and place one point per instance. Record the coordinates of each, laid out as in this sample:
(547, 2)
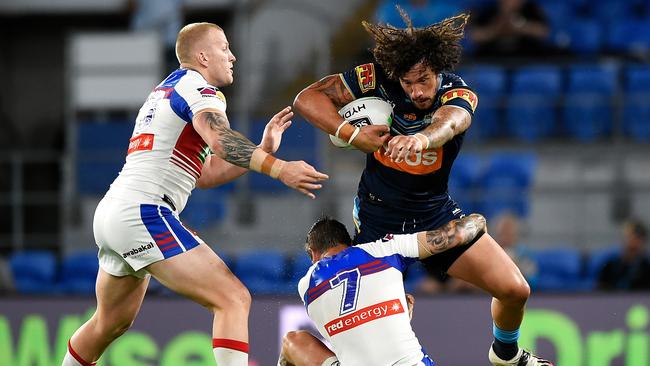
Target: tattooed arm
(454, 233)
(217, 171)
(448, 121)
(231, 146)
(319, 104)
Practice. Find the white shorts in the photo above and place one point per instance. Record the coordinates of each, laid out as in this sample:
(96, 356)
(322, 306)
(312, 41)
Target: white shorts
(131, 236)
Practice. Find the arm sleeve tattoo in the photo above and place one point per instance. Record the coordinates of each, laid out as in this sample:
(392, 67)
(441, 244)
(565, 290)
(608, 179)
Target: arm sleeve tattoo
(234, 147)
(333, 87)
(456, 232)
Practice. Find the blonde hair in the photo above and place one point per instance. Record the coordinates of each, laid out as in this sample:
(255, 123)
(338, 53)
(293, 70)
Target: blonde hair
(188, 36)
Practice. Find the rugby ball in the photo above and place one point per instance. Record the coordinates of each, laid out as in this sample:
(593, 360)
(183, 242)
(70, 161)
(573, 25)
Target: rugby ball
(362, 112)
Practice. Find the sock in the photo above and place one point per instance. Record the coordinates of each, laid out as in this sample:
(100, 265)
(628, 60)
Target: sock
(505, 342)
(229, 352)
(73, 359)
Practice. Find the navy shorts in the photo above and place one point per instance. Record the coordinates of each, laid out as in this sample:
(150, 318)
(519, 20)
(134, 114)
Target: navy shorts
(373, 220)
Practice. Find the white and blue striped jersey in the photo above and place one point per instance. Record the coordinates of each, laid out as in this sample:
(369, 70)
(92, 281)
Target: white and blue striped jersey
(165, 154)
(357, 300)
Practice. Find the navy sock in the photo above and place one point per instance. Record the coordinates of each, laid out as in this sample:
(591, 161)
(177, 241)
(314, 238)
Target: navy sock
(505, 342)
(505, 351)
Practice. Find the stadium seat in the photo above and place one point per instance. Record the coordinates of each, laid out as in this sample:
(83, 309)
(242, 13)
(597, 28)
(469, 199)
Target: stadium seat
(34, 272)
(588, 105)
(463, 181)
(101, 151)
(300, 263)
(636, 109)
(489, 82)
(299, 142)
(204, 208)
(264, 272)
(79, 273)
(605, 11)
(531, 114)
(596, 261)
(559, 269)
(629, 36)
(506, 182)
(585, 36)
(413, 276)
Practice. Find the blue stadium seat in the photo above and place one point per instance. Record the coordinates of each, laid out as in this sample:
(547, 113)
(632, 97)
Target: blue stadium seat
(204, 208)
(299, 142)
(562, 12)
(585, 36)
(506, 182)
(79, 273)
(34, 272)
(588, 110)
(101, 151)
(629, 36)
(414, 275)
(636, 109)
(463, 181)
(264, 272)
(596, 261)
(300, 263)
(531, 113)
(489, 82)
(605, 11)
(559, 269)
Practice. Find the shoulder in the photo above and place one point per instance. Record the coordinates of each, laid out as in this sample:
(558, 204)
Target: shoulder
(192, 84)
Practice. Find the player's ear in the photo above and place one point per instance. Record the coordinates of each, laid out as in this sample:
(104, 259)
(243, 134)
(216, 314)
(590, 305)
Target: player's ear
(202, 58)
(311, 255)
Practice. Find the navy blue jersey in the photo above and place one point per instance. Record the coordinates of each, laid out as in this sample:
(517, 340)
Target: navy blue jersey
(416, 184)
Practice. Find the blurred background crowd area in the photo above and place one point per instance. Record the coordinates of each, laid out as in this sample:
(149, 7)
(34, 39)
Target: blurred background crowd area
(556, 158)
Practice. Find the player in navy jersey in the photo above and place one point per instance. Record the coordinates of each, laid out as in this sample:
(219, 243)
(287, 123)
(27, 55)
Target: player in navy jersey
(403, 188)
(355, 295)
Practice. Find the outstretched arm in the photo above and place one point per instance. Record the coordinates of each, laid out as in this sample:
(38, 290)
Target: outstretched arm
(454, 233)
(319, 104)
(231, 146)
(217, 171)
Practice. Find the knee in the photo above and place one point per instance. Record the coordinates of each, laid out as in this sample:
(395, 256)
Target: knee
(515, 293)
(238, 299)
(292, 338)
(113, 327)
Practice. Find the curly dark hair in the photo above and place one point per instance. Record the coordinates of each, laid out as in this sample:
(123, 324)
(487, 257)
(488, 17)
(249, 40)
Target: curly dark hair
(437, 45)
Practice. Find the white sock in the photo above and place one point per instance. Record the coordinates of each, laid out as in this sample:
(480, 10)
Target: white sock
(73, 359)
(229, 352)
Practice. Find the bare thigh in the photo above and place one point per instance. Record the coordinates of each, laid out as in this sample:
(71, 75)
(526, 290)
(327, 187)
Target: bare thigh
(487, 266)
(198, 274)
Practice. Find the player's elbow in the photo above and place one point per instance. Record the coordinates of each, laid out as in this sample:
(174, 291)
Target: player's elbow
(299, 100)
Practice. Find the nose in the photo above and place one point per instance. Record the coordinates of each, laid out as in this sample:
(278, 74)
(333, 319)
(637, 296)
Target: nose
(416, 93)
(232, 57)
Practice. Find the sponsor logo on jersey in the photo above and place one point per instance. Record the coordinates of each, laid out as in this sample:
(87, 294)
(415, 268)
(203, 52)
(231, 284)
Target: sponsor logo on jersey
(139, 251)
(212, 92)
(410, 117)
(422, 163)
(366, 77)
(464, 94)
(141, 142)
(365, 315)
